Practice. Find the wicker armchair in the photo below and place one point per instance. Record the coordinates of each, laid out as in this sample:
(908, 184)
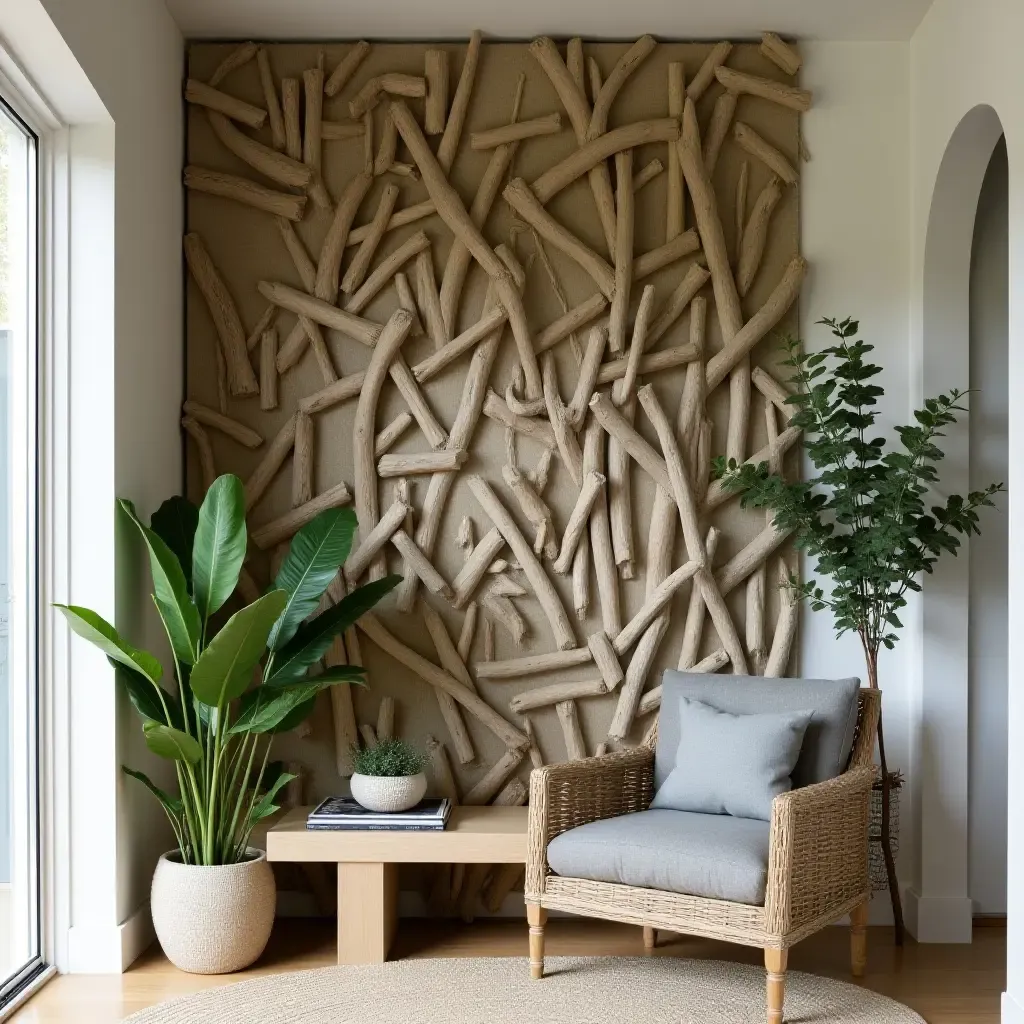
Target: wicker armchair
(817, 863)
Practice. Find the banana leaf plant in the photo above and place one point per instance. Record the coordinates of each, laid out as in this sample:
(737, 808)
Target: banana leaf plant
(236, 682)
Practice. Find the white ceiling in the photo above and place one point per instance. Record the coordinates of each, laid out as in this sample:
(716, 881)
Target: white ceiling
(521, 19)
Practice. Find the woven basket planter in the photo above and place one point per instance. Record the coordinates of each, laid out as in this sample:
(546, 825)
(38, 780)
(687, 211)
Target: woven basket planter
(876, 859)
(213, 920)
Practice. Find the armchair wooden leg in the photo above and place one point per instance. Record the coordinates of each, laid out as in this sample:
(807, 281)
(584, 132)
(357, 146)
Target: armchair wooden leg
(650, 939)
(859, 940)
(537, 917)
(775, 963)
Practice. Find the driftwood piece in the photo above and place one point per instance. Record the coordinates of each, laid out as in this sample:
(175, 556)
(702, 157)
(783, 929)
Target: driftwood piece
(624, 67)
(558, 417)
(516, 131)
(533, 664)
(618, 425)
(718, 129)
(428, 300)
(554, 693)
(368, 735)
(749, 557)
(494, 408)
(436, 107)
(445, 461)
(651, 700)
(505, 614)
(636, 677)
(774, 309)
(340, 131)
(754, 622)
(780, 53)
(762, 150)
(788, 96)
(452, 663)
(302, 461)
(223, 312)
(290, 102)
(313, 83)
(569, 720)
(454, 214)
(419, 564)
(570, 321)
(655, 362)
(389, 435)
(717, 493)
(742, 186)
(273, 458)
(347, 67)
(590, 491)
(300, 258)
(505, 586)
(438, 677)
(587, 379)
(385, 719)
(706, 73)
(239, 56)
(242, 190)
(581, 578)
(286, 526)
(365, 477)
(475, 567)
(387, 269)
(695, 612)
(269, 162)
(492, 781)
(488, 642)
(470, 406)
(569, 87)
(551, 603)
(755, 234)
(652, 606)
(391, 83)
(775, 391)
(407, 300)
(533, 507)
(605, 658)
(265, 322)
(372, 541)
(785, 624)
(674, 203)
(647, 174)
(656, 259)
(624, 224)
(366, 332)
(356, 272)
(600, 534)
(468, 631)
(204, 95)
(195, 430)
(225, 424)
(387, 148)
(460, 104)
(682, 295)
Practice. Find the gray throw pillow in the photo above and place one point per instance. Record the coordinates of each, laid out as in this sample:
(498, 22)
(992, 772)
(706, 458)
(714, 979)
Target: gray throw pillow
(731, 764)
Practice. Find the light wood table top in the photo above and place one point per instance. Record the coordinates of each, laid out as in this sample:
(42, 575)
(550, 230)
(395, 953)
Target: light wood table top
(475, 835)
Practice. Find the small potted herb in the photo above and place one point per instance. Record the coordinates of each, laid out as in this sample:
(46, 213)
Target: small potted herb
(388, 777)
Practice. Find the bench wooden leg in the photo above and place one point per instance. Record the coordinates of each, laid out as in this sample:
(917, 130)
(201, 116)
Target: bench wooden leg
(367, 912)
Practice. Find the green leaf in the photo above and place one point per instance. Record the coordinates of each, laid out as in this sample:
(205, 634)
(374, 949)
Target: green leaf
(171, 743)
(94, 628)
(174, 522)
(265, 708)
(220, 542)
(171, 592)
(172, 805)
(316, 553)
(145, 696)
(312, 640)
(266, 807)
(224, 669)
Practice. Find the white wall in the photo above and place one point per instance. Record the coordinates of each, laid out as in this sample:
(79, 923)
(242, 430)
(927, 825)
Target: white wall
(854, 194)
(126, 372)
(963, 56)
(987, 614)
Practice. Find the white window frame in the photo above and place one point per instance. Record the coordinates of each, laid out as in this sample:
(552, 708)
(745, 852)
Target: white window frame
(50, 408)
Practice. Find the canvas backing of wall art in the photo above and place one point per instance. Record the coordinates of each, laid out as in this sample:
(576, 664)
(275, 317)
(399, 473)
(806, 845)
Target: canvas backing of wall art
(546, 488)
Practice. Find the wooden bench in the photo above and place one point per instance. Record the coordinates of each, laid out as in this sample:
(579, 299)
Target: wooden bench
(368, 865)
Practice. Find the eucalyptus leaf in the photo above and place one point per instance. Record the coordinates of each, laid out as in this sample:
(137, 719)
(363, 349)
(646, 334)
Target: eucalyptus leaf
(313, 638)
(224, 669)
(179, 614)
(220, 542)
(314, 557)
(174, 522)
(93, 627)
(171, 743)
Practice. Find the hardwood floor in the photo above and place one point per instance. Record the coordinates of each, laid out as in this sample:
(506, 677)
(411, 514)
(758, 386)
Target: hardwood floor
(945, 984)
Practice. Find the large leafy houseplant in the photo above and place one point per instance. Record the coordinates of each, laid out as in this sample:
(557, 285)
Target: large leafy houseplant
(236, 685)
(864, 516)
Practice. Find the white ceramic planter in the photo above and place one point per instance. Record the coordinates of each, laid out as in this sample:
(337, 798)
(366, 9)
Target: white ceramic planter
(387, 793)
(213, 920)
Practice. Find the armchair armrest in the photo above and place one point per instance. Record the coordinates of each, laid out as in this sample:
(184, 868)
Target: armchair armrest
(564, 796)
(818, 853)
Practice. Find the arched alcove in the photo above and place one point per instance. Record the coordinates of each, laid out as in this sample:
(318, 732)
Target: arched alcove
(939, 904)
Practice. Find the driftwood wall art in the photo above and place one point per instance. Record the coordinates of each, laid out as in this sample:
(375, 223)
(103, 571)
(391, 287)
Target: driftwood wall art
(507, 300)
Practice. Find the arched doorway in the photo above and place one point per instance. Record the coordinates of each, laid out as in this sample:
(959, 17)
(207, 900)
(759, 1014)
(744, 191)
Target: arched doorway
(939, 905)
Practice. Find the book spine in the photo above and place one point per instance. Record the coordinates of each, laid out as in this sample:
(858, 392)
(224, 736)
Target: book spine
(374, 828)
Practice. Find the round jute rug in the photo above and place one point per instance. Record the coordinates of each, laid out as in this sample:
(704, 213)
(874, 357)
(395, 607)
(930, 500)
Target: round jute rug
(604, 990)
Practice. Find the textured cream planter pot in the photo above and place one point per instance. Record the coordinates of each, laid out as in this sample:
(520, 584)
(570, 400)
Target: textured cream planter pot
(213, 920)
(388, 793)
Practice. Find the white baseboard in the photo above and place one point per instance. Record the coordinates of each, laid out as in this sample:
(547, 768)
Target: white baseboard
(1012, 1011)
(948, 919)
(99, 950)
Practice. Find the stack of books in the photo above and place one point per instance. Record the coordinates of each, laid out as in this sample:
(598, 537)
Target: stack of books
(343, 814)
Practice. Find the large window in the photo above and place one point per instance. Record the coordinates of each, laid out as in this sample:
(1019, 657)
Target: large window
(19, 831)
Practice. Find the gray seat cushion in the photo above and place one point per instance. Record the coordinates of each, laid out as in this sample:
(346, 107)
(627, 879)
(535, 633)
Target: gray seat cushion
(731, 764)
(827, 742)
(712, 855)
